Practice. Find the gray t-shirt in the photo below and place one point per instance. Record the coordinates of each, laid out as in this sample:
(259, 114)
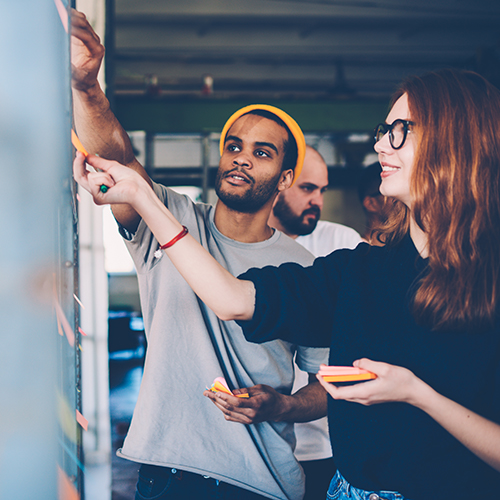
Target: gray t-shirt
(174, 425)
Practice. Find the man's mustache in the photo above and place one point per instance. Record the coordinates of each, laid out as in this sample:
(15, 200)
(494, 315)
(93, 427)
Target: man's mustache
(312, 211)
(242, 173)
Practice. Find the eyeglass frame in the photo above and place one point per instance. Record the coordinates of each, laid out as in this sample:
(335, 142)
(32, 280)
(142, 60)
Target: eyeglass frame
(388, 129)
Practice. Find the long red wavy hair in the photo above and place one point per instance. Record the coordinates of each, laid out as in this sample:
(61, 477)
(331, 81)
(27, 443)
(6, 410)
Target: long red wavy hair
(455, 188)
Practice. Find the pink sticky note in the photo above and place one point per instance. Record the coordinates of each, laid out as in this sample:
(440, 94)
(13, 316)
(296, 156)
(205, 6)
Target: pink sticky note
(81, 331)
(82, 420)
(59, 327)
(222, 381)
(63, 14)
(345, 374)
(61, 318)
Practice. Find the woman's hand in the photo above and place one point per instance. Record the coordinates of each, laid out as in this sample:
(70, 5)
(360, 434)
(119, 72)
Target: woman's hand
(123, 184)
(393, 383)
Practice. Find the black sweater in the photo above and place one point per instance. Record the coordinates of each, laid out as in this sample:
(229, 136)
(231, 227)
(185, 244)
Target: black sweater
(357, 302)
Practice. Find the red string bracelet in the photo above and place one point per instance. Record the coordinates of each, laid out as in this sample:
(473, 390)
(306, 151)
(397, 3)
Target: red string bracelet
(175, 239)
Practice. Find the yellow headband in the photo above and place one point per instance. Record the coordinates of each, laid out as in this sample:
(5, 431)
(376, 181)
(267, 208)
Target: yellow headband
(290, 122)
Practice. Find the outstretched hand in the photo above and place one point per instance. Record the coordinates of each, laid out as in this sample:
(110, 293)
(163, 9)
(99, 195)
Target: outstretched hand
(87, 52)
(264, 404)
(393, 383)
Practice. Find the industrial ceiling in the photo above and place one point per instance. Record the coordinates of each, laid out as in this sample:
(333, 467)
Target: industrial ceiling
(282, 49)
(183, 66)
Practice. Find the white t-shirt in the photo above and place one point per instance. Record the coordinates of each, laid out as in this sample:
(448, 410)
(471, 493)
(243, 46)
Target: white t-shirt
(313, 442)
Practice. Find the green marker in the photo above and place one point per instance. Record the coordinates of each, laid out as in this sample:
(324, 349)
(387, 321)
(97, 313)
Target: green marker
(104, 188)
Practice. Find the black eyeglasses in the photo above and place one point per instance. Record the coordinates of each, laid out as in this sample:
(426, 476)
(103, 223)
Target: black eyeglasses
(398, 130)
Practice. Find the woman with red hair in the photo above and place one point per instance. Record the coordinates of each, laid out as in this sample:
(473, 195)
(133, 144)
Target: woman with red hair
(420, 312)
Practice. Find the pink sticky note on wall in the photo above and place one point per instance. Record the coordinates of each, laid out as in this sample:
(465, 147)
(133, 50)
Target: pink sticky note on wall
(62, 320)
(63, 14)
(82, 420)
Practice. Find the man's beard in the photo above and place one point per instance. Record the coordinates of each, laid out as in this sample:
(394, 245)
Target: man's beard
(250, 201)
(293, 223)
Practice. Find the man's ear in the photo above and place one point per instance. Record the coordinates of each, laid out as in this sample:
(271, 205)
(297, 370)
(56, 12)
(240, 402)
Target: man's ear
(371, 204)
(286, 180)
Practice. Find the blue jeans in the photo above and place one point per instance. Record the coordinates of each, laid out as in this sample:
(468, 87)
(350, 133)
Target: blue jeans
(164, 483)
(340, 489)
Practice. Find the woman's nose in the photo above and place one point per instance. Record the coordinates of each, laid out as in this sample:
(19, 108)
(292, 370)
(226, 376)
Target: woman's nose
(383, 145)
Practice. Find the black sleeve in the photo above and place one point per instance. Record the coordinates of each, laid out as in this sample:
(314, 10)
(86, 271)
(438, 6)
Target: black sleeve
(296, 303)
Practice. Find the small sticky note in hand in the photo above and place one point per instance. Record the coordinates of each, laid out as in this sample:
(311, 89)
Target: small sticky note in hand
(220, 385)
(78, 145)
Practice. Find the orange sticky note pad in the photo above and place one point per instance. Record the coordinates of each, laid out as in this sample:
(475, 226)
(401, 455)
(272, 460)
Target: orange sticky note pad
(76, 142)
(67, 490)
(345, 374)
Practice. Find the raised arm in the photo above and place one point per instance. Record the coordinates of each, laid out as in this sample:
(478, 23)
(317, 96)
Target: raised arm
(229, 297)
(394, 383)
(95, 123)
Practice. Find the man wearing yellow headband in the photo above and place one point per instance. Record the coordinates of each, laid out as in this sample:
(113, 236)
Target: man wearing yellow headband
(186, 447)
